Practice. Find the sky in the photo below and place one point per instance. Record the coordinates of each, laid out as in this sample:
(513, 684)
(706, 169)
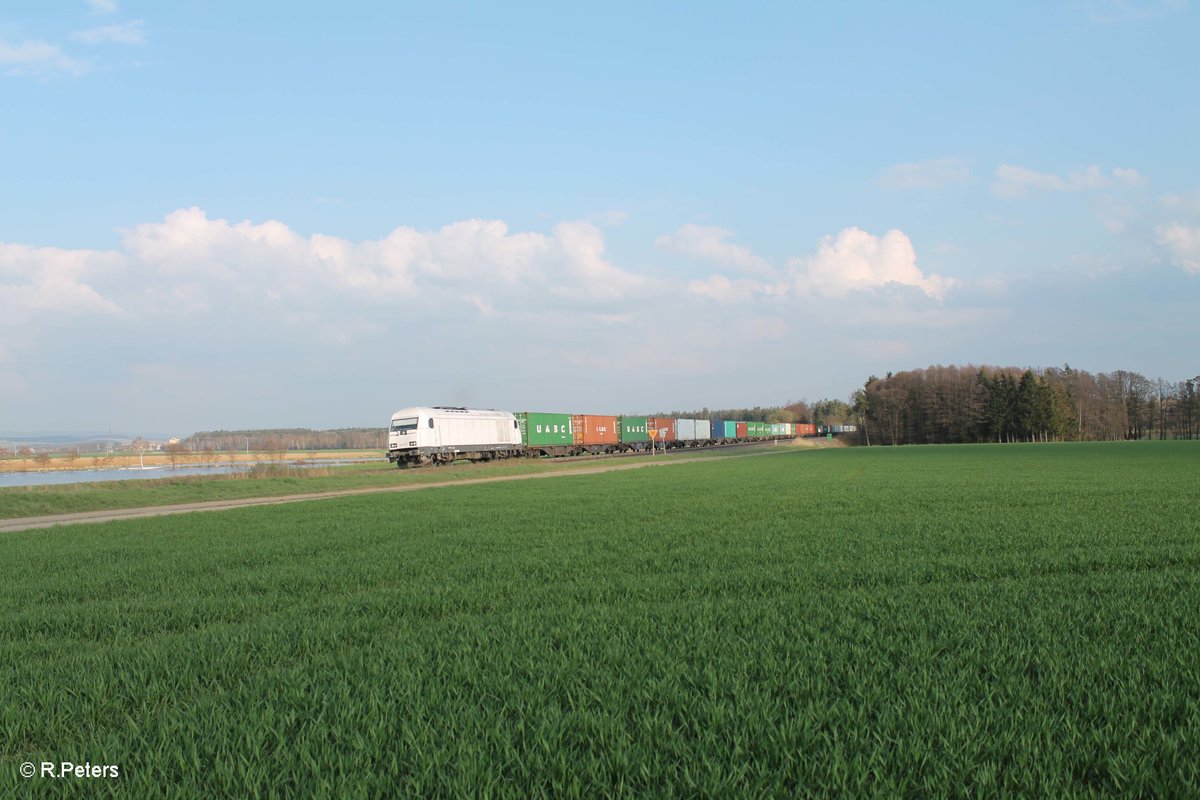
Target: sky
(243, 215)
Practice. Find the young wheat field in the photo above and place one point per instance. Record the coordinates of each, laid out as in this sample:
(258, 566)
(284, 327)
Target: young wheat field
(1002, 620)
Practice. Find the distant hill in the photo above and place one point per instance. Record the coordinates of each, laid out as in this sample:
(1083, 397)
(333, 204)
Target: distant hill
(59, 439)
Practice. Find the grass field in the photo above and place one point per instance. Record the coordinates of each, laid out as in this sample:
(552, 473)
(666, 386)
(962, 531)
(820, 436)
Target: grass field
(923, 622)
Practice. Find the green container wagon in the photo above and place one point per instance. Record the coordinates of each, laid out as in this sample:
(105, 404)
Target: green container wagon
(552, 430)
(633, 429)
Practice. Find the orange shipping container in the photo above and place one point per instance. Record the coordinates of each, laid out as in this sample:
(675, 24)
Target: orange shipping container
(742, 430)
(806, 429)
(665, 427)
(595, 430)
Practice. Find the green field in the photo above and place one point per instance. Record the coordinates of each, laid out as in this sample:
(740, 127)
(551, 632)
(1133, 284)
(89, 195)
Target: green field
(1003, 620)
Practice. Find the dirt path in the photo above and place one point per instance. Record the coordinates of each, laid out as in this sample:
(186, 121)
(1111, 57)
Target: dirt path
(49, 521)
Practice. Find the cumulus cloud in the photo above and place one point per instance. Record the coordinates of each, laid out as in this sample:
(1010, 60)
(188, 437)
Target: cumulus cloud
(103, 6)
(39, 59)
(856, 260)
(936, 174)
(709, 243)
(581, 246)
(475, 261)
(852, 261)
(1183, 246)
(132, 32)
(1014, 181)
(52, 282)
(190, 264)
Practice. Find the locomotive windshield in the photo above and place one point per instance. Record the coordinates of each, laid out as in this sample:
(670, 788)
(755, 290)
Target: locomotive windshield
(406, 425)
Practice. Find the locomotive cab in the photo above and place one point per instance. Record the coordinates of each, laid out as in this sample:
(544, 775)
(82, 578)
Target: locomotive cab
(440, 434)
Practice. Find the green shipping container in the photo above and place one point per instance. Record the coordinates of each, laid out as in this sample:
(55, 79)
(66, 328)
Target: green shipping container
(545, 429)
(633, 429)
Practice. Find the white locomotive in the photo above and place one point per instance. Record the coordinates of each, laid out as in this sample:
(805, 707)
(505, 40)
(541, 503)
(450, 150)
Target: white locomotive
(435, 434)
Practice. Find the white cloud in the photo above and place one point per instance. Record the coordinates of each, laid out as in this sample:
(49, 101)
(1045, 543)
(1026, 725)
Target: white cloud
(476, 261)
(40, 59)
(856, 260)
(1183, 245)
(724, 290)
(709, 243)
(132, 32)
(189, 264)
(52, 282)
(1013, 181)
(936, 174)
(581, 246)
(1128, 176)
(103, 6)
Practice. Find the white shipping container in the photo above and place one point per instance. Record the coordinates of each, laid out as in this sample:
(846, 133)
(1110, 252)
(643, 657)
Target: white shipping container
(704, 429)
(685, 430)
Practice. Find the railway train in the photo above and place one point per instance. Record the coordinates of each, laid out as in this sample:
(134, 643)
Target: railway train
(423, 435)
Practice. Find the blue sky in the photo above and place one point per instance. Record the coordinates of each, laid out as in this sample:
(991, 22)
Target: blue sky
(268, 214)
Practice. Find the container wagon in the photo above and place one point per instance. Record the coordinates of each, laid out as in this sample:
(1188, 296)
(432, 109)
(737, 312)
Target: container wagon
(595, 434)
(546, 434)
(633, 433)
(665, 430)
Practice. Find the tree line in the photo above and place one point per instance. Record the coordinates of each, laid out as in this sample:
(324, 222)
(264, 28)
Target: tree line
(283, 439)
(951, 405)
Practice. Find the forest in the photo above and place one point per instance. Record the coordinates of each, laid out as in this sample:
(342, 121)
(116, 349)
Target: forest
(963, 404)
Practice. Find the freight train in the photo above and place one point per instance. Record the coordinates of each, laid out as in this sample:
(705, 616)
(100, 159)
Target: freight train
(440, 434)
